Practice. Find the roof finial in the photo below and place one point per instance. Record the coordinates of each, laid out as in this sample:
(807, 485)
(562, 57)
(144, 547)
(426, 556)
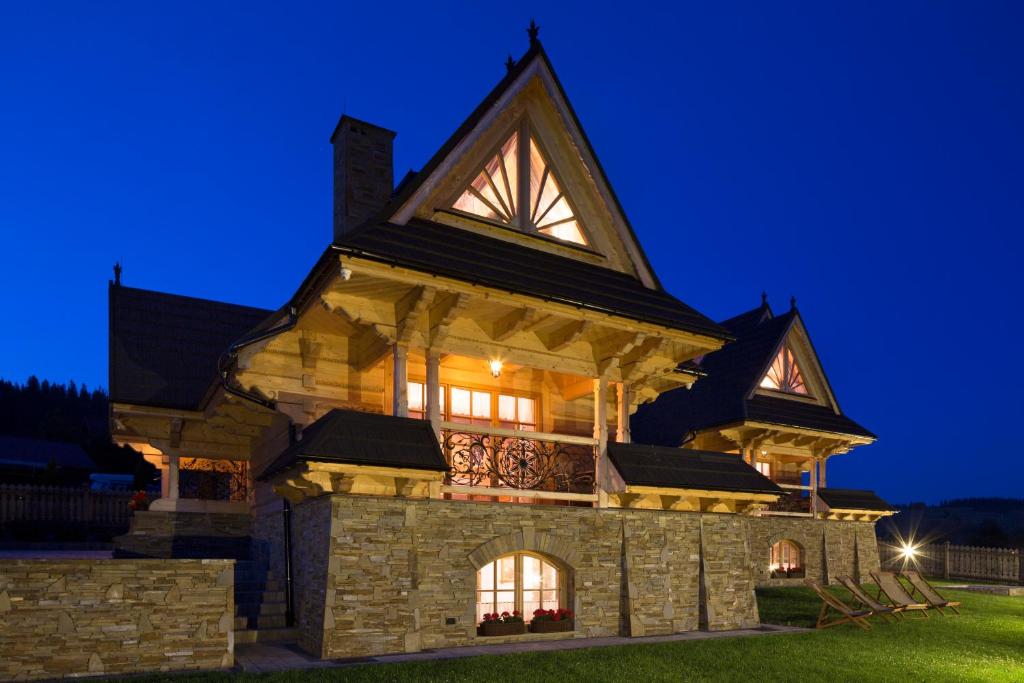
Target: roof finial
(764, 298)
(792, 303)
(510, 63)
(532, 32)
(117, 273)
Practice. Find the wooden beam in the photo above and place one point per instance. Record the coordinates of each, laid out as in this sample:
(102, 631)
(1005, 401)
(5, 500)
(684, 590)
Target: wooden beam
(513, 323)
(409, 311)
(567, 334)
(443, 312)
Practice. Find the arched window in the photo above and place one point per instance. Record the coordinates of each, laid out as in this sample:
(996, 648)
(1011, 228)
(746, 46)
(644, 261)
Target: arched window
(787, 560)
(520, 581)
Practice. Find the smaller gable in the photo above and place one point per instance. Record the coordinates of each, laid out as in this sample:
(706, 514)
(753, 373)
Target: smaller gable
(784, 374)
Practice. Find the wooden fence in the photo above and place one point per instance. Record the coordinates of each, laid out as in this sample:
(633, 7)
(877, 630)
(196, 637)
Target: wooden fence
(957, 561)
(63, 504)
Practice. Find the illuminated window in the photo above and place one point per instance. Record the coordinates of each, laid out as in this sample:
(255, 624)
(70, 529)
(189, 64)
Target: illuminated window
(520, 581)
(764, 468)
(418, 400)
(786, 559)
(784, 375)
(517, 187)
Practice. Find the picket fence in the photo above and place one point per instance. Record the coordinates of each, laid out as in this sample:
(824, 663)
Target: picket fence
(65, 504)
(957, 561)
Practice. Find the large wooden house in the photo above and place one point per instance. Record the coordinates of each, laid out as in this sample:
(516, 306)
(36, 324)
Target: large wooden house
(436, 425)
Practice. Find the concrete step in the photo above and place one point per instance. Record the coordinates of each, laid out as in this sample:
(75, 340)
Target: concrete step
(272, 621)
(266, 635)
(241, 622)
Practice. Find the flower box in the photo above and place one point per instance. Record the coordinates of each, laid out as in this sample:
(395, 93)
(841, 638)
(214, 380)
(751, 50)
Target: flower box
(549, 626)
(501, 628)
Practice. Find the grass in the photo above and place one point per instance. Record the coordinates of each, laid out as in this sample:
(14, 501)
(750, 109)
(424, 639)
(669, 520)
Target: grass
(985, 643)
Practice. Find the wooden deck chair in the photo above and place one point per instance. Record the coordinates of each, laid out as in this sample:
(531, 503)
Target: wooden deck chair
(891, 587)
(865, 599)
(846, 613)
(919, 586)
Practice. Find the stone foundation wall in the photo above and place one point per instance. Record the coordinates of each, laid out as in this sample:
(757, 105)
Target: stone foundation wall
(830, 548)
(104, 617)
(386, 575)
(186, 534)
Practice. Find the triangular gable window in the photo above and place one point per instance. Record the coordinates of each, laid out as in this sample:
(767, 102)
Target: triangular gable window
(784, 374)
(518, 187)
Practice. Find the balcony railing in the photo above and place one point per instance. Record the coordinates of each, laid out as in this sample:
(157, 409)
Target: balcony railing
(794, 502)
(503, 462)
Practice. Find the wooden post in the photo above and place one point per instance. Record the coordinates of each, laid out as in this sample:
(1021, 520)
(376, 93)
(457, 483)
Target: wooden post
(814, 487)
(623, 434)
(750, 455)
(173, 463)
(821, 474)
(945, 561)
(433, 390)
(600, 430)
(400, 380)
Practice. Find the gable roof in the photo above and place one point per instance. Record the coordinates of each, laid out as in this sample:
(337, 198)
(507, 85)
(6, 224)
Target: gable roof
(852, 499)
(727, 395)
(17, 451)
(358, 438)
(676, 468)
(164, 347)
(433, 248)
(410, 186)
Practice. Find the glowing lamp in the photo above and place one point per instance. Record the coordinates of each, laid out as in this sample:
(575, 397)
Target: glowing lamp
(908, 551)
(495, 366)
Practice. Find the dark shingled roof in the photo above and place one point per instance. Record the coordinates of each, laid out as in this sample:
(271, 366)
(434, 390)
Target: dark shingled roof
(358, 438)
(853, 499)
(35, 453)
(471, 257)
(164, 347)
(720, 398)
(681, 468)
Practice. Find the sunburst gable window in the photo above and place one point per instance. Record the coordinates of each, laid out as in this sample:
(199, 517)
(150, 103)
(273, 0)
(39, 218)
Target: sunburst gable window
(518, 187)
(784, 374)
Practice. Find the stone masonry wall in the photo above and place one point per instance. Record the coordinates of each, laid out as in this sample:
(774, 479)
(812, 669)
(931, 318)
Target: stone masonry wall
(828, 547)
(63, 618)
(400, 575)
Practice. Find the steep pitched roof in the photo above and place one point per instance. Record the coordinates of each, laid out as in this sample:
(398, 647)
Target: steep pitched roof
(471, 257)
(409, 186)
(660, 466)
(725, 395)
(358, 438)
(164, 347)
(852, 499)
(20, 451)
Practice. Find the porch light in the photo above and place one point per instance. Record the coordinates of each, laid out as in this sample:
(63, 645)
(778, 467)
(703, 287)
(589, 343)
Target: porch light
(495, 366)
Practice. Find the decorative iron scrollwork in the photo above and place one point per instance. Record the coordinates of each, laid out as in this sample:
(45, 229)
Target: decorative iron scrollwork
(206, 479)
(518, 463)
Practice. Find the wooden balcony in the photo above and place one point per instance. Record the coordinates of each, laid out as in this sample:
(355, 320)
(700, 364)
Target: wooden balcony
(513, 465)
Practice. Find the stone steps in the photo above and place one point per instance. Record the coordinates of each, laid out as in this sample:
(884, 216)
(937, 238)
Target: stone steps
(266, 635)
(260, 602)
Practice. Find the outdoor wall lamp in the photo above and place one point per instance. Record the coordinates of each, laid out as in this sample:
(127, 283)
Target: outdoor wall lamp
(495, 366)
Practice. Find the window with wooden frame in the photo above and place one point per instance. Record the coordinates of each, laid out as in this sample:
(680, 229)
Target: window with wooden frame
(784, 374)
(477, 407)
(517, 187)
(764, 468)
(519, 581)
(786, 558)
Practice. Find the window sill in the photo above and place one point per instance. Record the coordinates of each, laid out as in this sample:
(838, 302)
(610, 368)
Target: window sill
(522, 638)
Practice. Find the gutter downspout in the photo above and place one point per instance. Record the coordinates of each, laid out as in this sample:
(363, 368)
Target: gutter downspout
(227, 359)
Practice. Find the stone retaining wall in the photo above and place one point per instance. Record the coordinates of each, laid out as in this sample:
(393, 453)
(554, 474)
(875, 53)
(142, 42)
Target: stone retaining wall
(101, 617)
(186, 534)
(385, 575)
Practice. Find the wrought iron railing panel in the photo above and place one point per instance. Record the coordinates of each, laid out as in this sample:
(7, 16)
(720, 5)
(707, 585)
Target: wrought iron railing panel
(206, 479)
(792, 501)
(514, 462)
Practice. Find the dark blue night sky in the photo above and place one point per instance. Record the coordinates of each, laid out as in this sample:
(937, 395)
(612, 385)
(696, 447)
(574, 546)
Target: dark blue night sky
(866, 157)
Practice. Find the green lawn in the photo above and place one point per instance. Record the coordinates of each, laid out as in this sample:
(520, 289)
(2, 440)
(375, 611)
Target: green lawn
(985, 643)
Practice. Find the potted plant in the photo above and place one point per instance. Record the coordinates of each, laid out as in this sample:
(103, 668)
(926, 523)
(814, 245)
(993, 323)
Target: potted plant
(552, 621)
(503, 624)
(138, 502)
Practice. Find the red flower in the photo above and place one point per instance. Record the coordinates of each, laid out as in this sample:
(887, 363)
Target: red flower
(515, 613)
(556, 617)
(538, 612)
(505, 614)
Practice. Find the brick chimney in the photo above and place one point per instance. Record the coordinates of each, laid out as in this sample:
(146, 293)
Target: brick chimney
(363, 173)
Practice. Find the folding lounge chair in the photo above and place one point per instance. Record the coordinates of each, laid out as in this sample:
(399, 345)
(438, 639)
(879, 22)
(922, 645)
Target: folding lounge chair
(862, 596)
(891, 587)
(846, 613)
(921, 587)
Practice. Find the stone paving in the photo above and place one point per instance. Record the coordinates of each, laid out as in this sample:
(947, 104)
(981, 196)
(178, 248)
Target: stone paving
(267, 657)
